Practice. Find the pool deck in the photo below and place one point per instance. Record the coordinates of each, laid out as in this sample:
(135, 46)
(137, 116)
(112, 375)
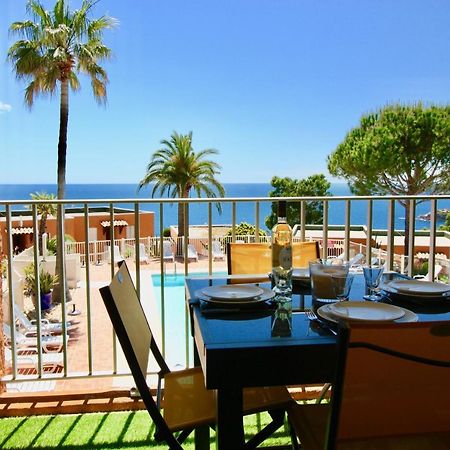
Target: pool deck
(101, 329)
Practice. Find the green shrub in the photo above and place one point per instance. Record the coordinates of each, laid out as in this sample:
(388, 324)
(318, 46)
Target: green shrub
(46, 281)
(52, 243)
(244, 229)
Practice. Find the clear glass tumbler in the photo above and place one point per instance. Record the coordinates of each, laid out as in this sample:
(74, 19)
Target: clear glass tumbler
(342, 285)
(322, 272)
(372, 275)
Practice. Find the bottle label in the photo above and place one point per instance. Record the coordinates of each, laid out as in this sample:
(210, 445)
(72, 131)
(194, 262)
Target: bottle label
(285, 257)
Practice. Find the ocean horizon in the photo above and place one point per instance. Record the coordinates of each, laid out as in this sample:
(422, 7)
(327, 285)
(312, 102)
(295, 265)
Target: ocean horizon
(245, 211)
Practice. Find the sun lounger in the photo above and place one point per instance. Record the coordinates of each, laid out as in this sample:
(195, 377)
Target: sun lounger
(117, 255)
(437, 270)
(356, 261)
(30, 326)
(50, 361)
(217, 252)
(50, 343)
(167, 252)
(192, 252)
(143, 256)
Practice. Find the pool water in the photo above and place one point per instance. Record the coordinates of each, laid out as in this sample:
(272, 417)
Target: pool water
(177, 279)
(175, 316)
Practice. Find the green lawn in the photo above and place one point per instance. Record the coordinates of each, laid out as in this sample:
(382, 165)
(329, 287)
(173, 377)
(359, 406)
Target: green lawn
(118, 430)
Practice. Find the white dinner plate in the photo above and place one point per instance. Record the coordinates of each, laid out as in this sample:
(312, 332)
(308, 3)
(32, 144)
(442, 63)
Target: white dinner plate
(416, 288)
(325, 313)
(366, 311)
(235, 292)
(266, 294)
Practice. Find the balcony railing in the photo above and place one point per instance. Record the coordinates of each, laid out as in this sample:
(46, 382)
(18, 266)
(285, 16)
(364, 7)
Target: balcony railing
(94, 352)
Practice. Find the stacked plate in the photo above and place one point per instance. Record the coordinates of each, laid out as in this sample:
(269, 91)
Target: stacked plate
(416, 290)
(366, 311)
(235, 295)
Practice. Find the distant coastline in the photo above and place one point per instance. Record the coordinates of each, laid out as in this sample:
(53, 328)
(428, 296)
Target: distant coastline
(198, 212)
(441, 215)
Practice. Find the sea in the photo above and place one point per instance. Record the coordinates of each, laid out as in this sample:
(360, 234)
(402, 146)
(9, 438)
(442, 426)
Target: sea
(245, 211)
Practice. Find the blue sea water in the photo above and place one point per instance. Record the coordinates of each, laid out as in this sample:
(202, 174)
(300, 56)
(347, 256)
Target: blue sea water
(245, 211)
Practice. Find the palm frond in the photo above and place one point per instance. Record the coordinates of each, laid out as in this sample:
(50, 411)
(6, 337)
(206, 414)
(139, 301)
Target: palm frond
(99, 90)
(56, 45)
(96, 27)
(39, 13)
(176, 168)
(74, 82)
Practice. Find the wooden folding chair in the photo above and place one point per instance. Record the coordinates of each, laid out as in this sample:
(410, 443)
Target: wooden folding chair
(185, 401)
(392, 391)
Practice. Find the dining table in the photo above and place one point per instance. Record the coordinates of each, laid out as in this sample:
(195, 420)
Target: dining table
(250, 347)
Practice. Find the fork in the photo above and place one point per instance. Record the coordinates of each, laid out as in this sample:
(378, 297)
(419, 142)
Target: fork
(311, 315)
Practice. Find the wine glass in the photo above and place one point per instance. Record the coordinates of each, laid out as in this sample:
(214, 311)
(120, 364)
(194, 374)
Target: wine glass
(342, 285)
(372, 275)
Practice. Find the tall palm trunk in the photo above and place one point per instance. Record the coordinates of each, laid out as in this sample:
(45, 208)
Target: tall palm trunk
(62, 151)
(180, 219)
(42, 226)
(183, 219)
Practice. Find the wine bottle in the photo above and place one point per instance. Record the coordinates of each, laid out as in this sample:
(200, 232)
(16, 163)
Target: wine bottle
(282, 253)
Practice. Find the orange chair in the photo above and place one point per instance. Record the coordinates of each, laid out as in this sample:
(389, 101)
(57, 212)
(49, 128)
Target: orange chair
(256, 258)
(392, 391)
(304, 252)
(186, 402)
(246, 259)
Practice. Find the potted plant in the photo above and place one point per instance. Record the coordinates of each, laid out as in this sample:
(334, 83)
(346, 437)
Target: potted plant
(46, 282)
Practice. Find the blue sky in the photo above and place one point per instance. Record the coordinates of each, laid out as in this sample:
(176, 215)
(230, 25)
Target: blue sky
(274, 85)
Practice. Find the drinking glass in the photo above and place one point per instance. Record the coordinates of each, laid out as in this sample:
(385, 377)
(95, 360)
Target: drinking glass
(322, 272)
(342, 285)
(372, 275)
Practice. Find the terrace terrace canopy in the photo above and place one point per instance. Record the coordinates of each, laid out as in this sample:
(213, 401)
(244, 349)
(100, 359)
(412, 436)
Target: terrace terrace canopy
(116, 223)
(22, 230)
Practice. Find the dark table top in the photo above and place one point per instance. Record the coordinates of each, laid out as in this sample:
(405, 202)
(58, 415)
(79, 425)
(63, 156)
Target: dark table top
(264, 355)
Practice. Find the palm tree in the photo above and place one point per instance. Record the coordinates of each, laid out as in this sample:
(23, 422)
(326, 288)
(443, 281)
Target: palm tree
(44, 210)
(177, 169)
(54, 47)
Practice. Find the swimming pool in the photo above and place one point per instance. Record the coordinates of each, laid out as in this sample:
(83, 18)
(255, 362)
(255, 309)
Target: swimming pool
(176, 316)
(177, 279)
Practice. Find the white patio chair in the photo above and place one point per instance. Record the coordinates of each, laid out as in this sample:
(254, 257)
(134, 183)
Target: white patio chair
(437, 270)
(50, 361)
(192, 252)
(117, 255)
(50, 343)
(217, 252)
(30, 326)
(356, 262)
(167, 252)
(143, 255)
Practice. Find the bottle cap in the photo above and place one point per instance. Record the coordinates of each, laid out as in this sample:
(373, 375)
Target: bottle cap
(282, 209)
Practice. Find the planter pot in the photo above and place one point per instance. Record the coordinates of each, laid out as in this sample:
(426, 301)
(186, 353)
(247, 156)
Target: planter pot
(46, 301)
